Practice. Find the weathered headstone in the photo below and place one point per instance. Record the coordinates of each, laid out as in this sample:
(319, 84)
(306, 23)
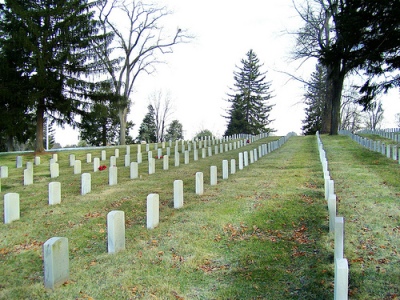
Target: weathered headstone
(199, 183)
(54, 170)
(115, 231)
(11, 207)
(165, 162)
(18, 162)
(153, 211)
(86, 183)
(71, 160)
(56, 262)
(213, 175)
(176, 159)
(112, 176)
(96, 164)
(3, 172)
(186, 157)
(54, 193)
(332, 211)
(77, 167)
(152, 165)
(341, 281)
(28, 176)
(233, 166)
(178, 193)
(127, 160)
(134, 170)
(37, 160)
(339, 238)
(241, 161)
(225, 169)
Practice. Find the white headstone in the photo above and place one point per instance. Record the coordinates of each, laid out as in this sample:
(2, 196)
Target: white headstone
(96, 164)
(139, 158)
(54, 170)
(37, 160)
(56, 262)
(103, 155)
(11, 207)
(28, 176)
(332, 211)
(176, 159)
(203, 152)
(54, 193)
(71, 160)
(213, 175)
(233, 166)
(116, 153)
(116, 231)
(339, 237)
(18, 162)
(153, 211)
(199, 183)
(159, 153)
(77, 167)
(186, 157)
(134, 170)
(152, 165)
(178, 193)
(3, 172)
(88, 158)
(86, 183)
(225, 171)
(251, 157)
(165, 162)
(55, 157)
(127, 160)
(195, 154)
(112, 176)
(341, 281)
(113, 161)
(246, 158)
(241, 161)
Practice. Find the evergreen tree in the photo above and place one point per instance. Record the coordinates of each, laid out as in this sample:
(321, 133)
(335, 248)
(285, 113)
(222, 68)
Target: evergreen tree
(315, 99)
(147, 130)
(54, 38)
(249, 111)
(174, 131)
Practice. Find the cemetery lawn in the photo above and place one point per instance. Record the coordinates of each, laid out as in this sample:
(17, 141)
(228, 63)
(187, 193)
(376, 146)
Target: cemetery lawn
(260, 234)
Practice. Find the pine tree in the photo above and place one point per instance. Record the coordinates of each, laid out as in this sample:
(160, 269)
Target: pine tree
(147, 130)
(249, 111)
(55, 38)
(174, 131)
(315, 99)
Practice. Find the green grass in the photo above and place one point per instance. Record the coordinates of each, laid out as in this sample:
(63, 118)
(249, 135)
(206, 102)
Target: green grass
(261, 234)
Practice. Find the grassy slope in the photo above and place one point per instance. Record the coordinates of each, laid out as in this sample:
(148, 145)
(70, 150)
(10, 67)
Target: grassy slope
(368, 189)
(260, 234)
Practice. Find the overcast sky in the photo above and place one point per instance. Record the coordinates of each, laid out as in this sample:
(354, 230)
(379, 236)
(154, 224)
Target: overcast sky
(198, 75)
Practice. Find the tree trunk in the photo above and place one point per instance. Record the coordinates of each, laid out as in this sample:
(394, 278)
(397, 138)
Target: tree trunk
(122, 114)
(327, 113)
(39, 127)
(337, 87)
(104, 135)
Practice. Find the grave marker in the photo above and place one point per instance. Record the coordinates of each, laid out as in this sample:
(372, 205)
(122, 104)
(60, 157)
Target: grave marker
(225, 171)
(152, 165)
(96, 164)
(165, 162)
(112, 176)
(153, 210)
(18, 162)
(199, 183)
(56, 262)
(11, 207)
(115, 231)
(213, 175)
(103, 155)
(37, 160)
(71, 160)
(77, 167)
(233, 166)
(339, 237)
(86, 183)
(332, 211)
(54, 170)
(178, 193)
(134, 170)
(341, 279)
(241, 161)
(3, 172)
(54, 193)
(88, 158)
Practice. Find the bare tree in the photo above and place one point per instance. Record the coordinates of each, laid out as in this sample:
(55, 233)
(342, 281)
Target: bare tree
(374, 115)
(350, 112)
(136, 40)
(162, 110)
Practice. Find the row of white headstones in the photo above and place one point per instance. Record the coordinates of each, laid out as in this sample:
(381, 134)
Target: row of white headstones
(336, 227)
(55, 250)
(391, 151)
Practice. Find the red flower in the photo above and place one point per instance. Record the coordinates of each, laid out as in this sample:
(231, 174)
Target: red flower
(101, 168)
